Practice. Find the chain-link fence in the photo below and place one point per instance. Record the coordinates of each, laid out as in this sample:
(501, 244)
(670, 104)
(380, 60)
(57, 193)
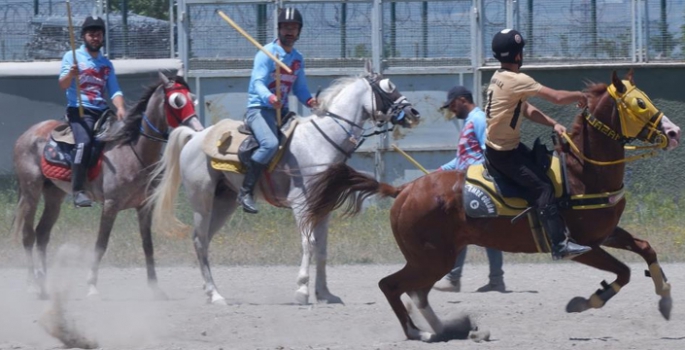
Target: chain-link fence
(33, 30)
(339, 34)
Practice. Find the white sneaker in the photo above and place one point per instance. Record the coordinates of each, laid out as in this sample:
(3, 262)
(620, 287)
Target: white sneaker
(447, 285)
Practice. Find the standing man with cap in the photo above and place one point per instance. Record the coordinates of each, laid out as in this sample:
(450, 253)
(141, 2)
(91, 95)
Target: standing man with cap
(469, 152)
(96, 74)
(507, 101)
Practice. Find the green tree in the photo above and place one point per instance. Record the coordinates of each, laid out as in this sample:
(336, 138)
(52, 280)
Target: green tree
(151, 8)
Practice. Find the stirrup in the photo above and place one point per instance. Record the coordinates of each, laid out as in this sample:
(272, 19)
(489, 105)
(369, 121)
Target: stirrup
(571, 250)
(248, 203)
(81, 200)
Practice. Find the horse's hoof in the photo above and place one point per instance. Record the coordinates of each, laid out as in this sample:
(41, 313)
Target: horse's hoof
(479, 336)
(301, 298)
(329, 299)
(92, 292)
(218, 301)
(159, 294)
(665, 305)
(577, 304)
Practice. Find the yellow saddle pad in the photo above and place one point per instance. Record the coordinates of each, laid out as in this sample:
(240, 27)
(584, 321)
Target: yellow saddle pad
(482, 199)
(223, 142)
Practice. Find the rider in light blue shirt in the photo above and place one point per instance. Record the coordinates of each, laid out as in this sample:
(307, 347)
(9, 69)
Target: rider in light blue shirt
(95, 75)
(263, 100)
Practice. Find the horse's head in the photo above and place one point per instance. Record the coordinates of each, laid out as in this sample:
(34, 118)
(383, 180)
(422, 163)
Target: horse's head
(388, 103)
(639, 118)
(179, 102)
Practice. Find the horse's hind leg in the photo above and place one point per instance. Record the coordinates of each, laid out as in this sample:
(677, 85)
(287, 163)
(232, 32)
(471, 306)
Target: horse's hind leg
(454, 329)
(24, 220)
(600, 259)
(212, 209)
(53, 197)
(393, 286)
(622, 239)
(145, 224)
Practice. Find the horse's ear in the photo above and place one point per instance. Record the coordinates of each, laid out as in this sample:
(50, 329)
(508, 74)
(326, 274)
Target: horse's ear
(617, 82)
(181, 71)
(368, 67)
(630, 75)
(163, 77)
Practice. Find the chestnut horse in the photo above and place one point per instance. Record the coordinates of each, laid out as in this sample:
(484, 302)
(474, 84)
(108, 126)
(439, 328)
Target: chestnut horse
(431, 227)
(133, 146)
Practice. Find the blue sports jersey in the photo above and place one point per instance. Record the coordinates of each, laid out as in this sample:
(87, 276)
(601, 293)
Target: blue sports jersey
(263, 81)
(95, 75)
(471, 142)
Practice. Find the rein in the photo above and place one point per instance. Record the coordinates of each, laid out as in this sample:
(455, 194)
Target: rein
(164, 137)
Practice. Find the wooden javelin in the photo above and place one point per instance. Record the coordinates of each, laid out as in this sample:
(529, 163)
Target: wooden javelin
(278, 93)
(73, 54)
(253, 41)
(409, 158)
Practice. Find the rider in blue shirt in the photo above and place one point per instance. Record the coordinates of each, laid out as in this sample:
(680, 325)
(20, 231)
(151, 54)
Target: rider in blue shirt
(263, 102)
(95, 73)
(470, 151)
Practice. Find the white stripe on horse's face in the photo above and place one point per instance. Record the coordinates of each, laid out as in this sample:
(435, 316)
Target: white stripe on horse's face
(672, 131)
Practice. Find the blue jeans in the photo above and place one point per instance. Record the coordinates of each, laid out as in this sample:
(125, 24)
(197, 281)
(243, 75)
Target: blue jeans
(262, 121)
(495, 259)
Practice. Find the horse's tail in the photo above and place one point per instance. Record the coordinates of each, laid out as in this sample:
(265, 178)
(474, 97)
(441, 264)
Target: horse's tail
(165, 180)
(337, 185)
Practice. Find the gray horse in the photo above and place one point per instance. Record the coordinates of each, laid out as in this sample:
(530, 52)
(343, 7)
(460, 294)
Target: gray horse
(133, 146)
(326, 138)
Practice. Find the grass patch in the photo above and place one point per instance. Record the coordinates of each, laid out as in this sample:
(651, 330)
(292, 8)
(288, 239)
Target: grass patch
(271, 237)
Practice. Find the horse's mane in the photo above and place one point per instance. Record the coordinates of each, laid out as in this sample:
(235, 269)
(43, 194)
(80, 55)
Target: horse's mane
(129, 129)
(594, 92)
(329, 94)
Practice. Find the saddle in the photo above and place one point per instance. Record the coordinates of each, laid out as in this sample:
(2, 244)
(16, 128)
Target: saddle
(57, 158)
(487, 193)
(230, 144)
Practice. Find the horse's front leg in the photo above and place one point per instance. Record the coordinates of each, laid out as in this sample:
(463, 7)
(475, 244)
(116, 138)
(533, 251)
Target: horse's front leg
(109, 214)
(145, 226)
(319, 247)
(622, 239)
(600, 259)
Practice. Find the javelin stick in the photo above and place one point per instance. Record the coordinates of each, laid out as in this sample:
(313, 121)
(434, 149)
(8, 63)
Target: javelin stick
(278, 93)
(253, 41)
(73, 54)
(409, 158)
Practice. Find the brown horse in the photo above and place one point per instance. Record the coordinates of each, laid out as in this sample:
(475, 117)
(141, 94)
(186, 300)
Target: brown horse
(133, 146)
(430, 225)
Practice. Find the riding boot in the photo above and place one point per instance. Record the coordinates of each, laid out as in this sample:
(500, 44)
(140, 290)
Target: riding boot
(245, 196)
(78, 179)
(562, 246)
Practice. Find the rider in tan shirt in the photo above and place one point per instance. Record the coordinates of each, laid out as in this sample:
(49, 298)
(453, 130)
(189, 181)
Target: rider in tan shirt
(507, 98)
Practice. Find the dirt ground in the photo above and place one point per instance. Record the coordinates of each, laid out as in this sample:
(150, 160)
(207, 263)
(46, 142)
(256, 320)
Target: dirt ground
(261, 315)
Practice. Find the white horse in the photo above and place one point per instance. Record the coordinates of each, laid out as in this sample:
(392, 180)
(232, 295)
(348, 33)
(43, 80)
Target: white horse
(318, 141)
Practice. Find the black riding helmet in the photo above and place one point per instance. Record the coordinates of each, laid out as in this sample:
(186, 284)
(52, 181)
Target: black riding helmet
(93, 23)
(506, 45)
(290, 15)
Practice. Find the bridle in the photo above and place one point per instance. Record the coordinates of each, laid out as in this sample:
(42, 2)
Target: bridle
(389, 109)
(649, 132)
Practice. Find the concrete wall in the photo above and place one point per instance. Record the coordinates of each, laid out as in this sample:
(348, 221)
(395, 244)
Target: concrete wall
(29, 94)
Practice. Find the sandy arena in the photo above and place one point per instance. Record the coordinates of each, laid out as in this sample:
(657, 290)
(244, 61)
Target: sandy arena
(261, 314)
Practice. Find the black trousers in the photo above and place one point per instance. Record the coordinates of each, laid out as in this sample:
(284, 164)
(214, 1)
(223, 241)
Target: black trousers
(83, 132)
(519, 167)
